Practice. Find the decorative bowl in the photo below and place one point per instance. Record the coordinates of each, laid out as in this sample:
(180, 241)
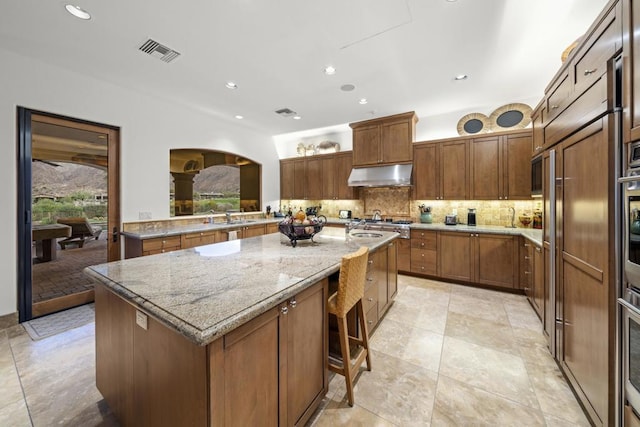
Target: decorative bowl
(297, 232)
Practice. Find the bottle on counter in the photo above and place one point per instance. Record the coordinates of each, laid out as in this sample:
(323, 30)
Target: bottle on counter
(537, 220)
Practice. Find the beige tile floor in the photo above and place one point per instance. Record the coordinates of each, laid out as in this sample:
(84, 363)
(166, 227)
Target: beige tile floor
(444, 355)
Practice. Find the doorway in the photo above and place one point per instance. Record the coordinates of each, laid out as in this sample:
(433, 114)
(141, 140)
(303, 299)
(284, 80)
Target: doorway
(68, 209)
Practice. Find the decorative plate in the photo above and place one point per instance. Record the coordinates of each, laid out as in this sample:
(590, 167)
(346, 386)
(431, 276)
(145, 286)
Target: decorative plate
(473, 124)
(510, 116)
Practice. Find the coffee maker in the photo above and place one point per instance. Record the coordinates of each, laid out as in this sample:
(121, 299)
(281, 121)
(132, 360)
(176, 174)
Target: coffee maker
(471, 216)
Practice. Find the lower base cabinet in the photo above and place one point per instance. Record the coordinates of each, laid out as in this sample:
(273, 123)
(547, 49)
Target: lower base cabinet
(269, 371)
(487, 259)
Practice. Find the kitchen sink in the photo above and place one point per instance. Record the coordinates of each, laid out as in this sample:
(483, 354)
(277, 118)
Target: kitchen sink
(370, 235)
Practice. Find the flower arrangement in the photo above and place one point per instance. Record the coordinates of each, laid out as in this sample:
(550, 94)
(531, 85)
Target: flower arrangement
(424, 208)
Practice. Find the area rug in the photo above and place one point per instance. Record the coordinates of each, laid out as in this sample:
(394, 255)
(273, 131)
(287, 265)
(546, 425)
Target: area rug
(56, 323)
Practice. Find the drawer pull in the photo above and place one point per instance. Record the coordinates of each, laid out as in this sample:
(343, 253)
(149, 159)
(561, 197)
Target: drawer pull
(284, 310)
(370, 261)
(589, 72)
(538, 148)
(554, 107)
(527, 272)
(293, 303)
(527, 257)
(369, 279)
(369, 299)
(370, 322)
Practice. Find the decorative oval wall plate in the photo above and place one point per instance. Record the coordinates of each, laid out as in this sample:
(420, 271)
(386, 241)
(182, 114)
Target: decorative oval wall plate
(473, 124)
(510, 116)
(565, 53)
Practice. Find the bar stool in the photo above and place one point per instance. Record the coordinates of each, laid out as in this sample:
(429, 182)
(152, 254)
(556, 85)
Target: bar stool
(353, 270)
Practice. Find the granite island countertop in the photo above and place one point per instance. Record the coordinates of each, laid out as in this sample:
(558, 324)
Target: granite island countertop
(207, 291)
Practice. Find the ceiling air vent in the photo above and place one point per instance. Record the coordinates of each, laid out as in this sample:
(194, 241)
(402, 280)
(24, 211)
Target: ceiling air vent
(286, 112)
(159, 51)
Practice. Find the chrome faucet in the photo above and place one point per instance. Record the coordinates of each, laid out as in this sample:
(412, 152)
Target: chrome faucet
(228, 215)
(376, 215)
(513, 216)
(352, 225)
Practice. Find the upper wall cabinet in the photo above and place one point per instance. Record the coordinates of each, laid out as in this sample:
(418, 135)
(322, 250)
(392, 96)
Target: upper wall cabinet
(322, 177)
(492, 167)
(387, 140)
(501, 167)
(631, 71)
(441, 170)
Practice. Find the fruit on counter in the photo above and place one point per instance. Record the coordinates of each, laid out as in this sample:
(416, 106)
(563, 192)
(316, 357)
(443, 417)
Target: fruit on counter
(300, 215)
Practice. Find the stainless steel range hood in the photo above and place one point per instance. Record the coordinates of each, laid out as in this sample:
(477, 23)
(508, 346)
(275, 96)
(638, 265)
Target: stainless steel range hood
(381, 176)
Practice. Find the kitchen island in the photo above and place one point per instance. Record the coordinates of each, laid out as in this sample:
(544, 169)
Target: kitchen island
(233, 333)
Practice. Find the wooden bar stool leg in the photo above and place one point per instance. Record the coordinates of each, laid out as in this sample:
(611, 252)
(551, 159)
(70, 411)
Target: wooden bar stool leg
(343, 331)
(365, 333)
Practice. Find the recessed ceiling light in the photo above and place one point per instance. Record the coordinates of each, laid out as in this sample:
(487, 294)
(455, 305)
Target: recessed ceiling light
(239, 117)
(347, 88)
(297, 117)
(231, 85)
(329, 70)
(363, 101)
(461, 77)
(77, 11)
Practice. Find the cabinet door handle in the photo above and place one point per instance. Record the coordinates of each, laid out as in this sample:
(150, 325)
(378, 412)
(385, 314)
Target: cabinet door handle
(369, 299)
(293, 303)
(370, 322)
(538, 249)
(526, 245)
(527, 272)
(527, 257)
(369, 279)
(284, 310)
(554, 107)
(588, 72)
(370, 261)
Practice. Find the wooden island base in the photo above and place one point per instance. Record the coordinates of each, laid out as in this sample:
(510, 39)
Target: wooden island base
(269, 371)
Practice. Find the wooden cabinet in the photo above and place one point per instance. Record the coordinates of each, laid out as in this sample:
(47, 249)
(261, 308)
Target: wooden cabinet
(149, 376)
(585, 289)
(293, 178)
(245, 231)
(271, 227)
(314, 178)
(455, 256)
(343, 166)
(269, 371)
(537, 131)
(404, 255)
(424, 252)
(441, 170)
(631, 71)
(489, 259)
(335, 175)
(192, 240)
(322, 177)
(532, 275)
(501, 167)
(137, 247)
(387, 140)
(392, 271)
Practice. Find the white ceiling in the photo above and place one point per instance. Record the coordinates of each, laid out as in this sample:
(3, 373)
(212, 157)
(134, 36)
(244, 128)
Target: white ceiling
(401, 55)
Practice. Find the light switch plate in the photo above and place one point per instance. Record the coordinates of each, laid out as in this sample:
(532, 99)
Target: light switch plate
(141, 319)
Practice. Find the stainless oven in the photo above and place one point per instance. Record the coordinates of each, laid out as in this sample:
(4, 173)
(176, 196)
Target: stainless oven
(631, 214)
(631, 347)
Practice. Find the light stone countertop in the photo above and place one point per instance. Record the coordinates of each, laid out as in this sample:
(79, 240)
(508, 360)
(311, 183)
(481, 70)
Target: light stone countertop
(207, 291)
(534, 235)
(167, 229)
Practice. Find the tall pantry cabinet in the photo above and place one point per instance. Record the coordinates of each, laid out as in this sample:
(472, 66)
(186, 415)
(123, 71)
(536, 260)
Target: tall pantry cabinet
(579, 184)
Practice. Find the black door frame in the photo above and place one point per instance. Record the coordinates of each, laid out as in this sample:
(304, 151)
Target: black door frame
(24, 159)
(24, 214)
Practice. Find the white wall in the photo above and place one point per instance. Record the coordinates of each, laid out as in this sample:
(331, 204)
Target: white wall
(150, 127)
(428, 128)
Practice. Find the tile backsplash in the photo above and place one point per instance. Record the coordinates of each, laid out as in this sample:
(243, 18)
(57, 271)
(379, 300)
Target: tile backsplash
(395, 202)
